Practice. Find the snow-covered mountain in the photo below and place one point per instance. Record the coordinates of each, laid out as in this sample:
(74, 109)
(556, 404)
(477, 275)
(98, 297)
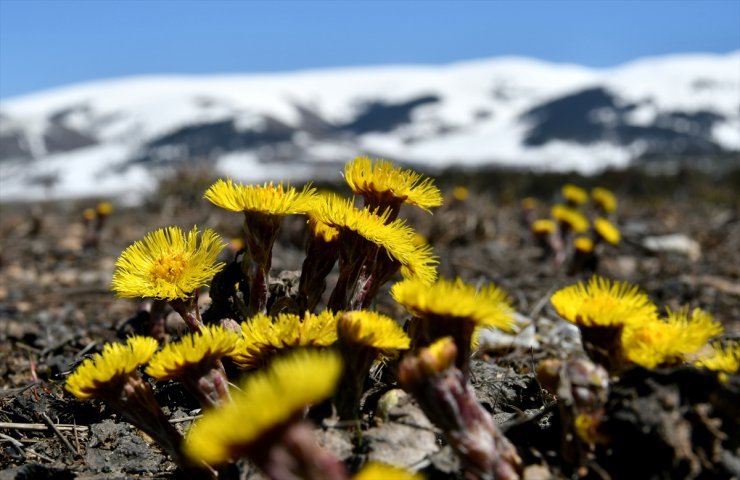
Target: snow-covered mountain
(105, 137)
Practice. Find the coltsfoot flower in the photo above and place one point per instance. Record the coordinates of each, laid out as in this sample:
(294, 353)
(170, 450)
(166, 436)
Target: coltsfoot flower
(322, 252)
(725, 360)
(544, 231)
(364, 328)
(544, 226)
(264, 336)
(396, 238)
(602, 309)
(569, 218)
(113, 377)
(269, 199)
(167, 264)
(380, 471)
(584, 258)
(106, 372)
(264, 207)
(668, 341)
(604, 199)
(574, 194)
(452, 307)
(363, 338)
(448, 399)
(603, 302)
(265, 422)
(371, 251)
(606, 231)
(195, 361)
(385, 186)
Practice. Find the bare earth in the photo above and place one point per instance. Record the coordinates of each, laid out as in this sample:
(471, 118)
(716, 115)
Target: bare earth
(56, 307)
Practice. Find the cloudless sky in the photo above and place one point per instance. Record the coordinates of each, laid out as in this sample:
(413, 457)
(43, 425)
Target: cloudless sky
(45, 44)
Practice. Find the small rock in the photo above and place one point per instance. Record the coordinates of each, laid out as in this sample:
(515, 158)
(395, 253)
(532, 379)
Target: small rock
(537, 472)
(677, 243)
(524, 336)
(117, 447)
(408, 441)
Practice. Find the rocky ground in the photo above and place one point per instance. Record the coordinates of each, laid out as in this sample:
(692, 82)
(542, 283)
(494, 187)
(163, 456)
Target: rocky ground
(56, 307)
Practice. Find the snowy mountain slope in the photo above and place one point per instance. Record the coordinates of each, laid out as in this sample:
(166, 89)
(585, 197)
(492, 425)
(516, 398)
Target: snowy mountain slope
(104, 136)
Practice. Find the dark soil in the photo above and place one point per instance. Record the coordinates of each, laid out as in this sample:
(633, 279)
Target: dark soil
(56, 307)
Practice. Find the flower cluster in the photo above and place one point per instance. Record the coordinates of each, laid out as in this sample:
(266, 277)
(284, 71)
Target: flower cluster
(303, 355)
(568, 235)
(621, 326)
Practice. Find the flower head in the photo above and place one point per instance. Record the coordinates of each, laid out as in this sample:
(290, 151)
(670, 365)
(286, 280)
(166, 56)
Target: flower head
(724, 360)
(268, 199)
(88, 214)
(529, 203)
(603, 303)
(583, 244)
(667, 341)
(106, 371)
(452, 308)
(321, 230)
(460, 193)
(543, 227)
(372, 329)
(454, 300)
(264, 402)
(192, 353)
(604, 199)
(607, 231)
(263, 336)
(104, 209)
(364, 336)
(397, 239)
(379, 471)
(379, 178)
(167, 264)
(574, 194)
(570, 217)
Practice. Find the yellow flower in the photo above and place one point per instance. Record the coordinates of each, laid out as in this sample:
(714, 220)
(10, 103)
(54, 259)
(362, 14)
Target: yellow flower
(321, 230)
(417, 368)
(583, 244)
(605, 199)
(266, 400)
(724, 360)
(364, 337)
(370, 179)
(574, 194)
(88, 214)
(586, 426)
(460, 193)
(607, 231)
(268, 198)
(372, 329)
(379, 471)
(167, 264)
(447, 300)
(603, 303)
(263, 336)
(529, 203)
(106, 371)
(667, 341)
(396, 238)
(543, 227)
(192, 351)
(104, 209)
(571, 217)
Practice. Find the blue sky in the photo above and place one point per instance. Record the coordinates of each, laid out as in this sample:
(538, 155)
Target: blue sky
(45, 44)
